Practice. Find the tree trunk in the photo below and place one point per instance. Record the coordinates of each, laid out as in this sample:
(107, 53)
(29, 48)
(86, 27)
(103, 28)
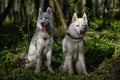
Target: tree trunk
(37, 6)
(6, 11)
(52, 5)
(96, 8)
(46, 4)
(0, 7)
(119, 10)
(105, 9)
(21, 10)
(83, 6)
(89, 5)
(64, 8)
(60, 13)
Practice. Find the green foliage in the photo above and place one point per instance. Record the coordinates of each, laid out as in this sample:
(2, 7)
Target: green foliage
(108, 70)
(95, 24)
(57, 52)
(101, 42)
(102, 48)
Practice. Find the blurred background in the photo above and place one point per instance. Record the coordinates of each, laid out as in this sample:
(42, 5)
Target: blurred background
(102, 40)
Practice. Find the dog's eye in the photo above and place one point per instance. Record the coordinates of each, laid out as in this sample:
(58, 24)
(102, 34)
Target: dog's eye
(46, 19)
(83, 25)
(77, 25)
(40, 18)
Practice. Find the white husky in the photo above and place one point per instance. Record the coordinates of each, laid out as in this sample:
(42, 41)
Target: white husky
(73, 46)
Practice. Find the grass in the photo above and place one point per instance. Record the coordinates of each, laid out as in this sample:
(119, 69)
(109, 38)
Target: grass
(102, 48)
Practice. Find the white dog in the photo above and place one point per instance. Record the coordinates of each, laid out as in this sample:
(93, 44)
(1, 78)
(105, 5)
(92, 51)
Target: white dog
(73, 46)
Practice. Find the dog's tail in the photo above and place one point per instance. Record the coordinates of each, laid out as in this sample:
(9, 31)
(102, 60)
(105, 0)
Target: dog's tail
(23, 56)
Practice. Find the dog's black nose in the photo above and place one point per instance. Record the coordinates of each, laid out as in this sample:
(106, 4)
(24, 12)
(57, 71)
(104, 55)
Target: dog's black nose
(42, 23)
(81, 31)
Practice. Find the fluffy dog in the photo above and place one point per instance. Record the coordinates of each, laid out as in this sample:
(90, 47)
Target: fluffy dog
(40, 49)
(73, 46)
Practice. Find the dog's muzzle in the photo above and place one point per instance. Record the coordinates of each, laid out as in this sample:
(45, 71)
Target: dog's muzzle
(81, 34)
(42, 23)
(44, 26)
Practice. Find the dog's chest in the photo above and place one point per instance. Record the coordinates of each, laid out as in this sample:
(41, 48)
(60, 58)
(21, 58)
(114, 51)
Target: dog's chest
(79, 47)
(43, 38)
(75, 47)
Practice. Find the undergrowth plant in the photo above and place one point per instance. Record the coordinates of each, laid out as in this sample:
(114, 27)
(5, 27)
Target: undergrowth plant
(102, 48)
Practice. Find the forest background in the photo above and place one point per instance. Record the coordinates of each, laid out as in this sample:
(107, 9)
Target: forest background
(102, 40)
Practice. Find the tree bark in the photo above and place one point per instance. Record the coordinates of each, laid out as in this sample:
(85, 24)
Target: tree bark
(37, 6)
(83, 6)
(46, 4)
(52, 5)
(21, 10)
(6, 11)
(60, 13)
(89, 4)
(0, 7)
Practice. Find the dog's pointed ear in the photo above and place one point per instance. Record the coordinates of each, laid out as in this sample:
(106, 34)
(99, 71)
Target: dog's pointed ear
(40, 11)
(74, 18)
(49, 11)
(84, 17)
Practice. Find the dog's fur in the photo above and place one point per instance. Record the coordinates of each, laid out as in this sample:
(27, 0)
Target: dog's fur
(73, 46)
(40, 49)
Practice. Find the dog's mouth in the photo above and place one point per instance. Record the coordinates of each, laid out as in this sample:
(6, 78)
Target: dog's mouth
(43, 29)
(81, 35)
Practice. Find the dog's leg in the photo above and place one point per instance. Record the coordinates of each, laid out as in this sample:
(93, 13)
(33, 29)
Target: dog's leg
(38, 59)
(31, 64)
(65, 65)
(64, 48)
(48, 56)
(80, 64)
(31, 56)
(70, 63)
